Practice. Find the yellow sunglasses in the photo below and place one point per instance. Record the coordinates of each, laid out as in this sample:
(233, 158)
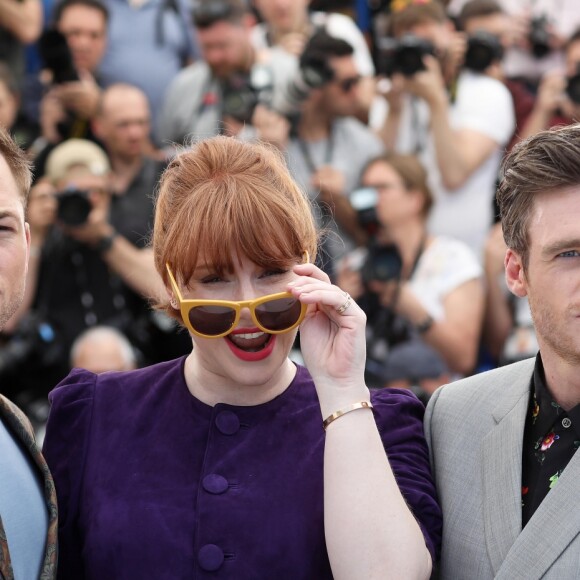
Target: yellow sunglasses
(274, 313)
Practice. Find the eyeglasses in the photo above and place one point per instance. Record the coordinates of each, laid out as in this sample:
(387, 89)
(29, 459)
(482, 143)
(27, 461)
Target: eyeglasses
(274, 313)
(346, 85)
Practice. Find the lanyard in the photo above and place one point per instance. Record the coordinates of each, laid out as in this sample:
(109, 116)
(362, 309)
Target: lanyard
(307, 155)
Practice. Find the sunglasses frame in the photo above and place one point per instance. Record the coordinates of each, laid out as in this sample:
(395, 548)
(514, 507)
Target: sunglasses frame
(187, 304)
(346, 85)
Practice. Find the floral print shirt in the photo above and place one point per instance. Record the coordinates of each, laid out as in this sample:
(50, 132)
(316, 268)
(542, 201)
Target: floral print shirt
(551, 437)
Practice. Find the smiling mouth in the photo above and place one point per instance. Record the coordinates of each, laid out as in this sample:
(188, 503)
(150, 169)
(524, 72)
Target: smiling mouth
(251, 341)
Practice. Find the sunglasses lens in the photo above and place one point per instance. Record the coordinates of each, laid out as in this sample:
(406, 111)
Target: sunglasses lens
(212, 320)
(348, 84)
(279, 314)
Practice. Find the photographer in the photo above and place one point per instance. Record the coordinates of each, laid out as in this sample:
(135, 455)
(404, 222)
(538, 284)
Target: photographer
(458, 130)
(537, 34)
(327, 146)
(72, 53)
(422, 294)
(289, 24)
(89, 264)
(211, 96)
(558, 100)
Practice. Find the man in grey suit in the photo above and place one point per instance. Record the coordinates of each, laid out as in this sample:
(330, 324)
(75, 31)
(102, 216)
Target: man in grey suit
(504, 443)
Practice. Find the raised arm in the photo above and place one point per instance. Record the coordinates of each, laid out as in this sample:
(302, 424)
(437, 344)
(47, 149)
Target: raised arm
(370, 530)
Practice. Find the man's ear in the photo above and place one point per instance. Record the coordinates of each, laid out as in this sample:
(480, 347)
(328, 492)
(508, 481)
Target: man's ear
(515, 275)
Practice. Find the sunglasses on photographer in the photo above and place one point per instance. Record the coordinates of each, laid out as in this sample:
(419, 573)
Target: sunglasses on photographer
(273, 314)
(346, 85)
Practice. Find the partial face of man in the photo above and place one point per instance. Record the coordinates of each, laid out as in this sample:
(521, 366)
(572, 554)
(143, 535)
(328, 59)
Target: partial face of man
(14, 245)
(283, 15)
(85, 30)
(125, 124)
(341, 96)
(439, 34)
(497, 24)
(226, 47)
(552, 278)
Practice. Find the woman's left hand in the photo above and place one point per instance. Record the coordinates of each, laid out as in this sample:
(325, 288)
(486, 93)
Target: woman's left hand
(333, 343)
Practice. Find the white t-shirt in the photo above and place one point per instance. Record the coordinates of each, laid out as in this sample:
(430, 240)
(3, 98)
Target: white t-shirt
(445, 265)
(336, 25)
(484, 105)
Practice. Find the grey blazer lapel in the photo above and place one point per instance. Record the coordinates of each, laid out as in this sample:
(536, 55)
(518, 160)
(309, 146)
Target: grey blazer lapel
(502, 469)
(550, 530)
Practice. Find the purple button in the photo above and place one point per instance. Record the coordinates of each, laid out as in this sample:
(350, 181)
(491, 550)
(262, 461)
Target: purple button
(211, 557)
(215, 483)
(227, 422)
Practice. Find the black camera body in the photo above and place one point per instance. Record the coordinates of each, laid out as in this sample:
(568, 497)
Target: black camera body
(539, 37)
(56, 56)
(483, 49)
(73, 206)
(242, 92)
(383, 262)
(404, 55)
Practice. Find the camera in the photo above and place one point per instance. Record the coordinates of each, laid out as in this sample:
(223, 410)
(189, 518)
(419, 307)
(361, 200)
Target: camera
(313, 73)
(483, 49)
(73, 206)
(383, 261)
(539, 37)
(364, 201)
(241, 93)
(56, 56)
(404, 55)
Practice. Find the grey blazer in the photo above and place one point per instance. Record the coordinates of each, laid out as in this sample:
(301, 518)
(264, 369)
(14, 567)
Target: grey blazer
(474, 429)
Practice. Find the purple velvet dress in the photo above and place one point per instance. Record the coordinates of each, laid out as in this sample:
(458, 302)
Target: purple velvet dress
(152, 483)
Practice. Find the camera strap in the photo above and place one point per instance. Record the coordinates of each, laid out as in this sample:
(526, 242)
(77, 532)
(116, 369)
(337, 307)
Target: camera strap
(416, 129)
(307, 155)
(418, 255)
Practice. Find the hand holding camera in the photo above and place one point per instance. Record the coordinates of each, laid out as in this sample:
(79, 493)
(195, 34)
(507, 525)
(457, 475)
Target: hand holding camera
(84, 214)
(428, 84)
(80, 97)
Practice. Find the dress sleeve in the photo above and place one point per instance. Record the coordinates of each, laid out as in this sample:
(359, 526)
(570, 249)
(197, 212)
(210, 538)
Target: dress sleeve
(65, 449)
(399, 418)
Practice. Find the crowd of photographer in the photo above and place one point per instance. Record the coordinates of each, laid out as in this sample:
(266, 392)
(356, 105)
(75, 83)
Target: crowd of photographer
(397, 135)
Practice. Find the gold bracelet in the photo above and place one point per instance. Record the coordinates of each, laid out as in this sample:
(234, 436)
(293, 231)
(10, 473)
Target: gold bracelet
(337, 414)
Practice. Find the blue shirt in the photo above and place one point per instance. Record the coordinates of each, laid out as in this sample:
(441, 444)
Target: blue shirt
(22, 507)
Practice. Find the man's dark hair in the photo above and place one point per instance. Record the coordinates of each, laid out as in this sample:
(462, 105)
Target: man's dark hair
(324, 46)
(478, 9)
(60, 8)
(547, 161)
(17, 162)
(206, 13)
